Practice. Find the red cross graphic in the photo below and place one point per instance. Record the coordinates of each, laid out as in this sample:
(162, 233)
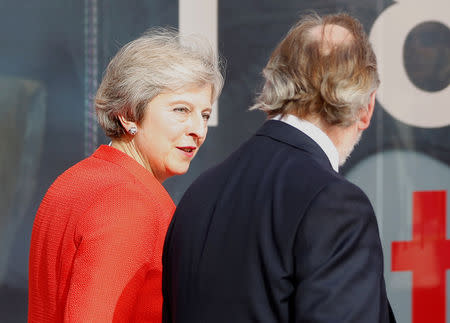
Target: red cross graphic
(427, 255)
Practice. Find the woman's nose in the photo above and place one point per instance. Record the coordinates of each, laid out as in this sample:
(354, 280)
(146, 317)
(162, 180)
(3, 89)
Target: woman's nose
(198, 127)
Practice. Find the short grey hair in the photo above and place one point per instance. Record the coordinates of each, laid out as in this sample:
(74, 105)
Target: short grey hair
(158, 61)
(305, 78)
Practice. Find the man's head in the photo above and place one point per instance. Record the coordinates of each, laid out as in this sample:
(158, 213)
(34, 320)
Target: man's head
(324, 71)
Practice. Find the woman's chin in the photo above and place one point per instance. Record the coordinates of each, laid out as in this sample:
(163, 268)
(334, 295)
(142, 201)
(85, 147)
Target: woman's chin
(178, 171)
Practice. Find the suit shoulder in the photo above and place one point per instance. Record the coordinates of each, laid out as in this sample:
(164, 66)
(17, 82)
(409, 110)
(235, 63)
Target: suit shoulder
(343, 199)
(299, 168)
(342, 186)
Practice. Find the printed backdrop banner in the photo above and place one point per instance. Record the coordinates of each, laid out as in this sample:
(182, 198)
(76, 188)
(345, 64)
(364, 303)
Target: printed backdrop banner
(52, 58)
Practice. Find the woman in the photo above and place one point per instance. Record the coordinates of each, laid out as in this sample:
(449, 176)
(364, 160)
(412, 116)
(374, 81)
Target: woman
(98, 235)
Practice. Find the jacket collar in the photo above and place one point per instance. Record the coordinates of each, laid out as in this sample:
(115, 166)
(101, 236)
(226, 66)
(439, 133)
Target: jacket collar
(141, 174)
(290, 135)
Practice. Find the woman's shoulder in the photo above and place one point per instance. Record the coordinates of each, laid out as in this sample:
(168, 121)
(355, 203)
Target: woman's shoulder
(84, 182)
(91, 173)
(96, 181)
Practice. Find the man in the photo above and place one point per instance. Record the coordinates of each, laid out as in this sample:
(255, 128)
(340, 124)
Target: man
(274, 233)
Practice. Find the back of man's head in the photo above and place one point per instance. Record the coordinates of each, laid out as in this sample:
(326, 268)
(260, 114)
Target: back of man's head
(324, 68)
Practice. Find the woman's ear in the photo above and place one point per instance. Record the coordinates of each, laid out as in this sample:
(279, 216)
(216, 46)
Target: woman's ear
(365, 115)
(129, 126)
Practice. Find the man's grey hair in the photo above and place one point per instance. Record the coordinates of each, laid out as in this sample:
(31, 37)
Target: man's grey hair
(309, 76)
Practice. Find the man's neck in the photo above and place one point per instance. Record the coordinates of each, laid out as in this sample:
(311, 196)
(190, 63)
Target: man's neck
(333, 132)
(343, 138)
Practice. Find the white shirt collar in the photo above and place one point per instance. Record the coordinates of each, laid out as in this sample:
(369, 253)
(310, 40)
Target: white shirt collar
(316, 134)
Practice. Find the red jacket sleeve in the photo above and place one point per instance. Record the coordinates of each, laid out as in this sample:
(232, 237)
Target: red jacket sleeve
(116, 272)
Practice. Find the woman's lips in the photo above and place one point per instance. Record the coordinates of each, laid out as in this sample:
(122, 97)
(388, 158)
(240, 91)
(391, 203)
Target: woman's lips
(188, 150)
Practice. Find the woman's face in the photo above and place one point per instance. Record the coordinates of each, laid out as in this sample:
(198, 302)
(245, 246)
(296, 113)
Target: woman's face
(173, 129)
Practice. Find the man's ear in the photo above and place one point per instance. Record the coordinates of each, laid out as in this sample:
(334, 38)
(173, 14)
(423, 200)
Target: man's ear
(126, 124)
(366, 114)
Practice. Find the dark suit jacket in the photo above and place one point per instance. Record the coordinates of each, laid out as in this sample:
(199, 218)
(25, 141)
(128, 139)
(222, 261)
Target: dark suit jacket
(274, 234)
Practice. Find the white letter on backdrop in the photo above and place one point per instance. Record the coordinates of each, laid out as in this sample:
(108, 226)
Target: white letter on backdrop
(397, 94)
(200, 17)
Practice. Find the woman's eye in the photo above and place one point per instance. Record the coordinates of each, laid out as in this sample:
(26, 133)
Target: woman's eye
(206, 116)
(181, 109)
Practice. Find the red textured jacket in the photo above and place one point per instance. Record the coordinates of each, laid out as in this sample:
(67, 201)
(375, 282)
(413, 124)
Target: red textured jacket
(97, 243)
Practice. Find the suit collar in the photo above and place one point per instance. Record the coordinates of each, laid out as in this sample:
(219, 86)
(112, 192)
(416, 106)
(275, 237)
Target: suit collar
(316, 134)
(283, 132)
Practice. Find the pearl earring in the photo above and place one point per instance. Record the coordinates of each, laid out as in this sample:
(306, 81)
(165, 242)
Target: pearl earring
(132, 130)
